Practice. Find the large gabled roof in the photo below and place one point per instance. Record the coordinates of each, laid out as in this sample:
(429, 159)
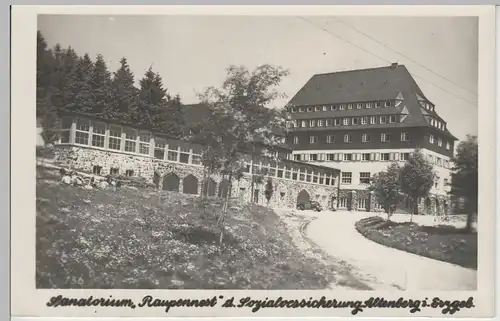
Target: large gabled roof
(365, 85)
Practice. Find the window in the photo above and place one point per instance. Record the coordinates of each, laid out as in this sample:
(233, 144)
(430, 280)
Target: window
(313, 139)
(129, 173)
(330, 139)
(184, 155)
(373, 120)
(159, 148)
(432, 121)
(405, 137)
(309, 108)
(359, 105)
(342, 107)
(329, 122)
(312, 123)
(82, 132)
(439, 161)
(369, 105)
(387, 103)
(325, 108)
(317, 108)
(377, 104)
(346, 177)
(366, 138)
(130, 140)
(98, 134)
(96, 170)
(364, 178)
(448, 146)
(430, 158)
(436, 182)
(431, 139)
(172, 152)
(303, 124)
(355, 121)
(347, 138)
(294, 110)
(445, 183)
(296, 157)
(384, 156)
(144, 143)
(346, 121)
(114, 171)
(343, 202)
(337, 121)
(362, 203)
(349, 106)
(364, 120)
(115, 137)
(404, 156)
(302, 109)
(384, 137)
(334, 107)
(365, 157)
(383, 119)
(313, 157)
(392, 119)
(347, 157)
(295, 139)
(440, 142)
(321, 122)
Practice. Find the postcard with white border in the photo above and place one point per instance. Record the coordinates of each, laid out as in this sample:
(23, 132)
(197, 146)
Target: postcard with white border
(253, 161)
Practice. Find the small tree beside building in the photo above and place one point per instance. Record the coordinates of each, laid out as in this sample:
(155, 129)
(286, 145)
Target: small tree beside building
(387, 188)
(417, 179)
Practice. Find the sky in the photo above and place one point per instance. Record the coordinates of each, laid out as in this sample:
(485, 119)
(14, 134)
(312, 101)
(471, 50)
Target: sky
(193, 52)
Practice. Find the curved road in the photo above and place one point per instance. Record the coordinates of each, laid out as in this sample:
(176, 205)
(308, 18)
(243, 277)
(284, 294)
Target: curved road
(380, 267)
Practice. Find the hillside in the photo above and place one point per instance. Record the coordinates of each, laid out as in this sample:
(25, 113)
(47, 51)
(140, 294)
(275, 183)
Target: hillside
(147, 239)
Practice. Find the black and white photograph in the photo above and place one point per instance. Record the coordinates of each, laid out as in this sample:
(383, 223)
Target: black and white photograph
(259, 152)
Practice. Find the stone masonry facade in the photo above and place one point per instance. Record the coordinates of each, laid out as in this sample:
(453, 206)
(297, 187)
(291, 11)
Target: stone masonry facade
(177, 176)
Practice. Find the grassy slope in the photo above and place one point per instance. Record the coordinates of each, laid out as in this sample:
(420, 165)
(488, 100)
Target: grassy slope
(144, 239)
(443, 243)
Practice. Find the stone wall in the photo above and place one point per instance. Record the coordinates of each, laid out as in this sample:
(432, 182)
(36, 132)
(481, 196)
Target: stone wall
(284, 194)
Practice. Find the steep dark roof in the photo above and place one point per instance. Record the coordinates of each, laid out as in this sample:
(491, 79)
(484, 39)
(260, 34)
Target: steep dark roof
(364, 85)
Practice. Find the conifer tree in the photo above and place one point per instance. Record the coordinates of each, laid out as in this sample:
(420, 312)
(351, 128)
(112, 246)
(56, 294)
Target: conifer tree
(124, 94)
(77, 92)
(44, 64)
(100, 83)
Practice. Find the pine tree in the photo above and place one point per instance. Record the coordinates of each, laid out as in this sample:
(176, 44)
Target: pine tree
(44, 66)
(124, 106)
(152, 97)
(77, 92)
(100, 83)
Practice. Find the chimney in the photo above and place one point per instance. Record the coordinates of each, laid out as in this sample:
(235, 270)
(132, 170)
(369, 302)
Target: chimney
(394, 65)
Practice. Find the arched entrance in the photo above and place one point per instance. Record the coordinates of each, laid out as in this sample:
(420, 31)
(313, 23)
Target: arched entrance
(427, 204)
(223, 188)
(303, 197)
(171, 182)
(209, 187)
(190, 185)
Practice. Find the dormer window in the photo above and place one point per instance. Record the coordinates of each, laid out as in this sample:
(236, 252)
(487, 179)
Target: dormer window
(364, 120)
(312, 123)
(294, 110)
(349, 106)
(369, 105)
(440, 142)
(346, 121)
(337, 121)
(358, 106)
(317, 108)
(377, 104)
(383, 119)
(355, 121)
(303, 123)
(387, 103)
(373, 120)
(342, 107)
(302, 109)
(309, 108)
(325, 108)
(392, 119)
(320, 122)
(431, 139)
(334, 107)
